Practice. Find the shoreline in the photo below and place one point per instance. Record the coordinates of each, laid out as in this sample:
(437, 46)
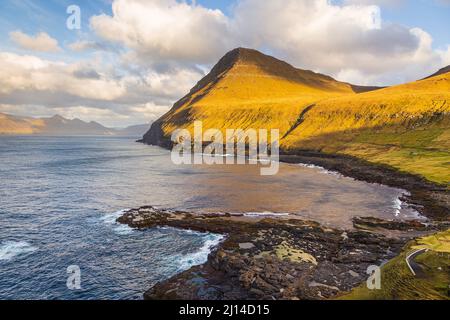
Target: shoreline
(272, 258)
(430, 199)
(300, 259)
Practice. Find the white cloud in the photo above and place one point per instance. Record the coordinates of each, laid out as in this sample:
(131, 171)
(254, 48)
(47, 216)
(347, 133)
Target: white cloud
(150, 110)
(41, 42)
(161, 30)
(76, 89)
(390, 3)
(349, 41)
(172, 83)
(338, 40)
(445, 56)
(83, 45)
(29, 73)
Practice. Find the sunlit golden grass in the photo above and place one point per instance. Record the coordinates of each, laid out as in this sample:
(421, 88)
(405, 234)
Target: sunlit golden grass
(439, 242)
(247, 97)
(405, 126)
(423, 151)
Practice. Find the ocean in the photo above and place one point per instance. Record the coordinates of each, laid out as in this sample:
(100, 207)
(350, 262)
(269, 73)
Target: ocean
(60, 196)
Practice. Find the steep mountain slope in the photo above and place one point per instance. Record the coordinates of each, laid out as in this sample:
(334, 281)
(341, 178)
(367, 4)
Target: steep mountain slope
(248, 89)
(405, 126)
(58, 125)
(13, 125)
(439, 72)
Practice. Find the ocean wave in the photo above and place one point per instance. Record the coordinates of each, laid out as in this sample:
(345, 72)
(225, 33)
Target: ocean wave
(408, 212)
(321, 169)
(266, 214)
(397, 205)
(11, 249)
(201, 256)
(225, 155)
(111, 219)
(310, 166)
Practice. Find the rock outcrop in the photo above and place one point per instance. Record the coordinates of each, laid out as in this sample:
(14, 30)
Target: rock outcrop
(266, 258)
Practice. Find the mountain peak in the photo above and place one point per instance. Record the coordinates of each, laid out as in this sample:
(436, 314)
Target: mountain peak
(246, 78)
(244, 54)
(268, 65)
(247, 70)
(252, 56)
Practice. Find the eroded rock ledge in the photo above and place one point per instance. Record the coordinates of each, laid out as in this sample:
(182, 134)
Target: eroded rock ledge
(268, 258)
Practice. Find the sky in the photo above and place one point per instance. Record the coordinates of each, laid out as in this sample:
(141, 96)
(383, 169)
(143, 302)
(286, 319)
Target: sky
(132, 59)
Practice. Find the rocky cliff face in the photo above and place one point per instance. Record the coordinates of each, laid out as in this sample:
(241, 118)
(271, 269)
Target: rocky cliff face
(155, 136)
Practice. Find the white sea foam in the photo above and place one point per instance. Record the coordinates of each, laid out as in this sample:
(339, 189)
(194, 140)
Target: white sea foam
(266, 214)
(11, 249)
(310, 166)
(397, 205)
(320, 169)
(226, 155)
(123, 230)
(408, 212)
(201, 256)
(111, 219)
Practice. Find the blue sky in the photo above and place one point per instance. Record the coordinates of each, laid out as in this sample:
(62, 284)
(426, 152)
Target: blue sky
(33, 16)
(49, 15)
(432, 16)
(130, 68)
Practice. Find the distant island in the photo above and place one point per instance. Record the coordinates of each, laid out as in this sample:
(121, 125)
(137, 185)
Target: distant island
(60, 126)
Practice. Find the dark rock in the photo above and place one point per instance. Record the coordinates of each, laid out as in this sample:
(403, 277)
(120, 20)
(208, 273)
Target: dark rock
(263, 271)
(374, 223)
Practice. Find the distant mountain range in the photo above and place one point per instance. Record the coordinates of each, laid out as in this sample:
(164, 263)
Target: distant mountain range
(405, 126)
(60, 126)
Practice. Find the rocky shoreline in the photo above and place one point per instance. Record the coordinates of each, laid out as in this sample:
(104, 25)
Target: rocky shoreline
(428, 198)
(274, 258)
(283, 258)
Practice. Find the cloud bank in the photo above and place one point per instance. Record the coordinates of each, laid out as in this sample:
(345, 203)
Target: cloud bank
(348, 41)
(41, 42)
(149, 53)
